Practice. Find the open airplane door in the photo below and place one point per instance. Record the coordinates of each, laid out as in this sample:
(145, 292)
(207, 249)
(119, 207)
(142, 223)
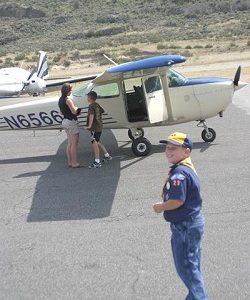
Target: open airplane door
(155, 99)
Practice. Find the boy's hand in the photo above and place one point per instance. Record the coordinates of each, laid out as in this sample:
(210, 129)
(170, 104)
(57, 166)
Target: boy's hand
(87, 127)
(78, 111)
(158, 207)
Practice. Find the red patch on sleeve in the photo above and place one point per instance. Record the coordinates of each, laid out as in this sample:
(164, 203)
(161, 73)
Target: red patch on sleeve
(176, 182)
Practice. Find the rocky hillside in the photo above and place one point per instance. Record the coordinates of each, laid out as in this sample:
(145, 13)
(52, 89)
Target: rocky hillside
(60, 25)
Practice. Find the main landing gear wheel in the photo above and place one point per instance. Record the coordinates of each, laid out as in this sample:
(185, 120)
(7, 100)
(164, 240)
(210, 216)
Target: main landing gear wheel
(134, 133)
(208, 135)
(141, 146)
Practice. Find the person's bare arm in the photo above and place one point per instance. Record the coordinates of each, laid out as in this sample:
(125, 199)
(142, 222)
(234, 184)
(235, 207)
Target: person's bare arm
(91, 119)
(72, 106)
(171, 204)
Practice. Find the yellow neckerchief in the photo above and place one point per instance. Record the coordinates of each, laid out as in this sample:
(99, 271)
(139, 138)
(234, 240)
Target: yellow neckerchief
(188, 163)
(185, 162)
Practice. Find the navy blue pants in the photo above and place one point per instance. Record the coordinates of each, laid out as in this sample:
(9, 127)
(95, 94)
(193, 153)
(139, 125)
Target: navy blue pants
(186, 248)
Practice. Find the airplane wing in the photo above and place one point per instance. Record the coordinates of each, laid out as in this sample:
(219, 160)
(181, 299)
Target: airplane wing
(140, 67)
(52, 85)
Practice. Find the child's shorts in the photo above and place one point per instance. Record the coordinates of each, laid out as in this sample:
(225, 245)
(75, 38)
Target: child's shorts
(95, 136)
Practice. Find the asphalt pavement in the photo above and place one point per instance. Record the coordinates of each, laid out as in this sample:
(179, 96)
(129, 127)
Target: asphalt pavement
(92, 234)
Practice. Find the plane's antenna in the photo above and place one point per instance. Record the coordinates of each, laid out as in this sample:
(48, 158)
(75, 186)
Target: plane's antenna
(108, 58)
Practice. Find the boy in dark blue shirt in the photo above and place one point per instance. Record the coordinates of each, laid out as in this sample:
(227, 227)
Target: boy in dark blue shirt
(181, 207)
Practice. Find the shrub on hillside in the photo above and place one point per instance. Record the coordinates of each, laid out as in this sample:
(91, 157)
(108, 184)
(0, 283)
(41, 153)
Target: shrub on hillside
(75, 55)
(112, 19)
(173, 46)
(2, 53)
(161, 46)
(76, 4)
(105, 31)
(8, 62)
(134, 51)
(187, 53)
(57, 58)
(19, 57)
(66, 63)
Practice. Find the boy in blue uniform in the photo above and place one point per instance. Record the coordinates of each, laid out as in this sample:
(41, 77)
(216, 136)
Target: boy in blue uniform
(181, 206)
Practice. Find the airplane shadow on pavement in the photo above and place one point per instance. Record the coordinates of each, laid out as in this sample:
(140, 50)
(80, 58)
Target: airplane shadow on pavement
(63, 193)
(72, 194)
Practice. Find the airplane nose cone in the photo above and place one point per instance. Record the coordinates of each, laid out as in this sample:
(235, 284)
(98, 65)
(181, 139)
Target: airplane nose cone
(240, 85)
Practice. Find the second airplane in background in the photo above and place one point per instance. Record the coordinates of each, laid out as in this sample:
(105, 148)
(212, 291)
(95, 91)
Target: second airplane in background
(16, 81)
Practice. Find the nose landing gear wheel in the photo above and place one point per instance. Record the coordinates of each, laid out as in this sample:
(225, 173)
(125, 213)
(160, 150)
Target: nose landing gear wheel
(208, 135)
(141, 146)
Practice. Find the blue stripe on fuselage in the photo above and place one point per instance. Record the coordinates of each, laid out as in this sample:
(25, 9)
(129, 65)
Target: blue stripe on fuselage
(204, 80)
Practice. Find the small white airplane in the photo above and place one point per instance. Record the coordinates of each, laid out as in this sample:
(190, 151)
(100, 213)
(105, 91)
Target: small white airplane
(143, 93)
(16, 81)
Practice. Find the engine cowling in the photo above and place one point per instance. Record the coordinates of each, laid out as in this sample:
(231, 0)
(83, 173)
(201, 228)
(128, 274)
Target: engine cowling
(35, 86)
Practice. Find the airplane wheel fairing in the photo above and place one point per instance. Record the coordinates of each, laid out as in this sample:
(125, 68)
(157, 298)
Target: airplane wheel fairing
(209, 136)
(139, 132)
(141, 146)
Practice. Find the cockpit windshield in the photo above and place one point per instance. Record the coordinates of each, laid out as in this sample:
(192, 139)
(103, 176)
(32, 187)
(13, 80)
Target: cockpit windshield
(175, 79)
(80, 92)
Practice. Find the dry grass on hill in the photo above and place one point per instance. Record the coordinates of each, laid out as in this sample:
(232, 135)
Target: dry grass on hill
(219, 61)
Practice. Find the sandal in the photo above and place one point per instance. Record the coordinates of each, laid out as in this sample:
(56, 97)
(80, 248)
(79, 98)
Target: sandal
(77, 166)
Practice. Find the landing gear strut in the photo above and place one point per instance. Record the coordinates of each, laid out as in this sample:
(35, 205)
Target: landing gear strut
(208, 134)
(140, 145)
(134, 133)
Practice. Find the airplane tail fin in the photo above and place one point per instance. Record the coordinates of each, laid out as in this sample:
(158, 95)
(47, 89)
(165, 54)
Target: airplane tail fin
(42, 65)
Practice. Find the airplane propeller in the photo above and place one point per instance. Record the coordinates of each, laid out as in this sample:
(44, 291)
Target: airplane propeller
(237, 76)
(27, 81)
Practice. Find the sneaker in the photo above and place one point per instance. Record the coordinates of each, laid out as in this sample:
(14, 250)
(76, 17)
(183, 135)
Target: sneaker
(95, 165)
(105, 159)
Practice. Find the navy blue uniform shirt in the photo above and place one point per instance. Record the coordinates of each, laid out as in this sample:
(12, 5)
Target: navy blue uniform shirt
(182, 184)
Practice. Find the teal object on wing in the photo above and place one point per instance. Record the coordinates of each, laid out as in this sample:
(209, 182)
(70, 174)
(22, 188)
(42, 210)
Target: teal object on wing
(148, 63)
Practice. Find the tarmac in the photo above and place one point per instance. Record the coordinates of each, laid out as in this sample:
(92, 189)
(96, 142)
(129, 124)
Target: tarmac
(92, 233)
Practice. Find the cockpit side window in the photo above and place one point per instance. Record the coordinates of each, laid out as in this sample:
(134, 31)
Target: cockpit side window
(107, 90)
(175, 79)
(153, 84)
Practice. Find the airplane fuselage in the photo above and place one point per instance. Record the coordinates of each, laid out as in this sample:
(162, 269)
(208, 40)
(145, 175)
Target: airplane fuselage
(143, 93)
(11, 81)
(185, 103)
